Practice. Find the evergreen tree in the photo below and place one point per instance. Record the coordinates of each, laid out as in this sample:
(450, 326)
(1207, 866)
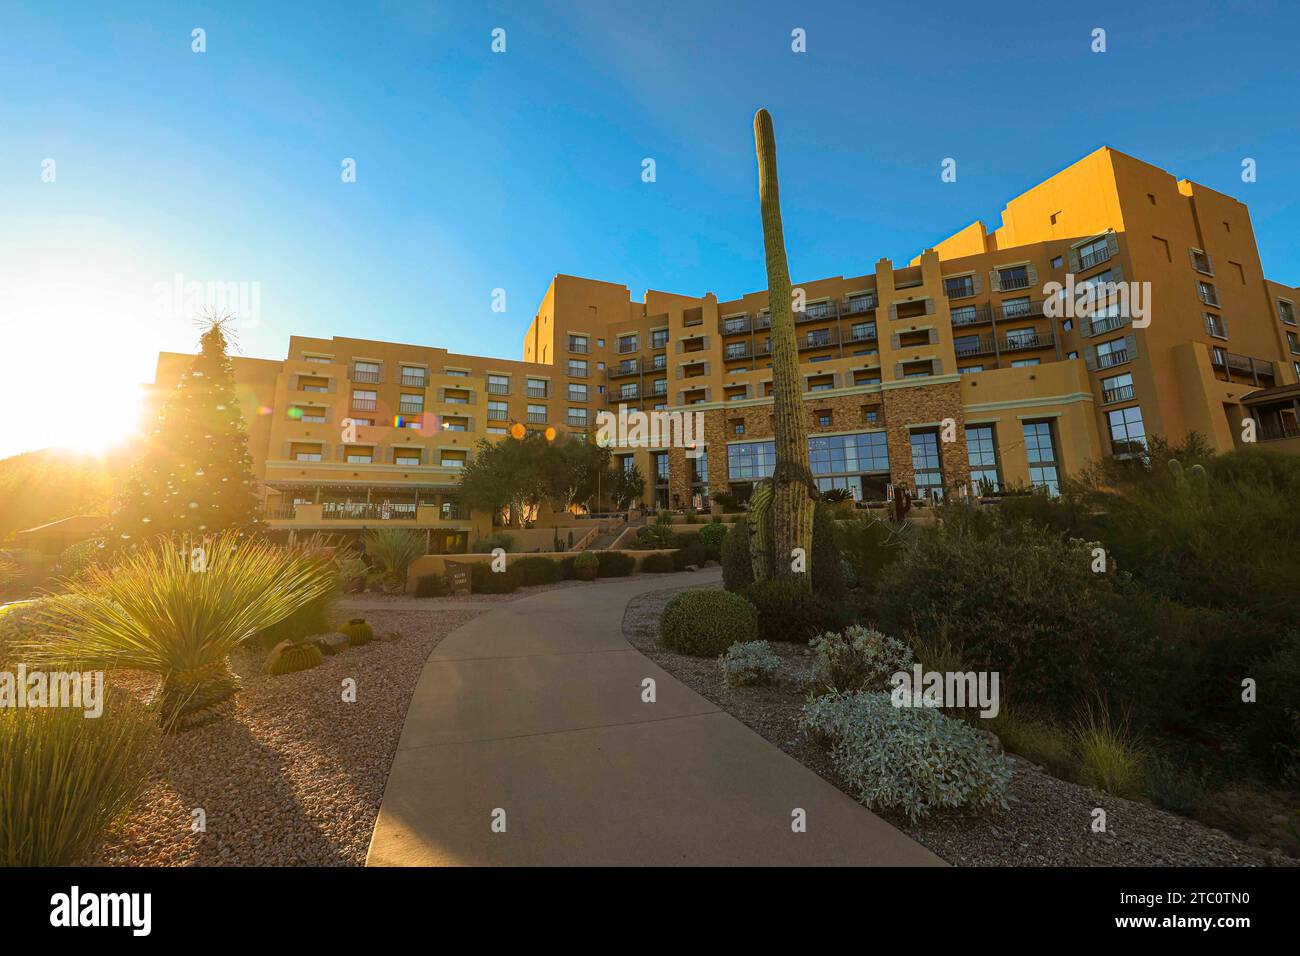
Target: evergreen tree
(195, 475)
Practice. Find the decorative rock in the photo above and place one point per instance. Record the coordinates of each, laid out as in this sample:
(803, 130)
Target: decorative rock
(330, 643)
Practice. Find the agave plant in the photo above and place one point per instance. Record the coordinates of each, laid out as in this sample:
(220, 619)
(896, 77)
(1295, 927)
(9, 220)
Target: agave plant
(394, 550)
(166, 611)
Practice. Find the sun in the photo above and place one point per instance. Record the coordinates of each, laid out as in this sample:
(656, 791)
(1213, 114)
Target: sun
(112, 419)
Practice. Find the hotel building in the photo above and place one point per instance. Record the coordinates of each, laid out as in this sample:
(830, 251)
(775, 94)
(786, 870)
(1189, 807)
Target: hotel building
(968, 341)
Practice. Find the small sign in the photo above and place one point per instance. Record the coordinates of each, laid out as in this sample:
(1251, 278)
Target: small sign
(458, 579)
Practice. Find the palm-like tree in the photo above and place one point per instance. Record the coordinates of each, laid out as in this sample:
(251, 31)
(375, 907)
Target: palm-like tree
(790, 498)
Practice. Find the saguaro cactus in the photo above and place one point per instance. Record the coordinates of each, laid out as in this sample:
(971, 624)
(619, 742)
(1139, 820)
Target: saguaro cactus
(793, 489)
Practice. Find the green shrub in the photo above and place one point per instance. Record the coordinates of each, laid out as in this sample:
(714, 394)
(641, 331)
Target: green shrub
(788, 611)
(614, 564)
(692, 554)
(658, 563)
(359, 632)
(498, 539)
(836, 495)
(64, 779)
(1271, 729)
(750, 663)
(914, 760)
(654, 537)
(827, 574)
(1024, 603)
(535, 571)
(23, 626)
(737, 571)
(567, 571)
(711, 537)
(691, 516)
(76, 558)
(868, 545)
(483, 580)
(290, 656)
(312, 618)
(664, 518)
(706, 623)
(586, 566)
(1110, 757)
(1039, 741)
(431, 585)
(857, 658)
(1174, 786)
(394, 550)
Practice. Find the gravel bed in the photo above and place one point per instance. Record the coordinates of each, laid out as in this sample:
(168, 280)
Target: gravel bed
(297, 776)
(1048, 823)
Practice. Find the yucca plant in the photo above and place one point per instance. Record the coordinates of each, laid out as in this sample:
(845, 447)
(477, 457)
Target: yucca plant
(394, 550)
(156, 611)
(65, 778)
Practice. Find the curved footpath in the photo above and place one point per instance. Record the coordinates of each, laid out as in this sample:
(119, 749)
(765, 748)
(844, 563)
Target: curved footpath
(535, 709)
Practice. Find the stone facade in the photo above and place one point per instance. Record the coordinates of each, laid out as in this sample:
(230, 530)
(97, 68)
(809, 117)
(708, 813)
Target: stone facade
(892, 410)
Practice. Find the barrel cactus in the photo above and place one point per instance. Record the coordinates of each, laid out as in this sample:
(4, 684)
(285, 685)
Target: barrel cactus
(289, 656)
(358, 631)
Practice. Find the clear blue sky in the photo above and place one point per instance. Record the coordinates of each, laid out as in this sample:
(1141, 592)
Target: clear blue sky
(477, 171)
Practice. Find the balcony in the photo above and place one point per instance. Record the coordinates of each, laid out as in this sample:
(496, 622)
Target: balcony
(982, 315)
(858, 306)
(360, 376)
(624, 394)
(1109, 359)
(817, 312)
(1254, 370)
(982, 346)
(1094, 258)
(817, 340)
(1016, 343)
(735, 326)
(1107, 324)
(763, 321)
(862, 335)
(624, 369)
(1121, 393)
(368, 511)
(1011, 282)
(1278, 431)
(731, 354)
(365, 404)
(660, 388)
(1022, 310)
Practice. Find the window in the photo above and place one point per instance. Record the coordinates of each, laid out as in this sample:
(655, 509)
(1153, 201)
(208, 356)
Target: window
(824, 419)
(576, 417)
(926, 463)
(628, 343)
(1019, 338)
(452, 460)
(577, 393)
(1128, 436)
(964, 315)
(861, 331)
(455, 372)
(1286, 311)
(537, 413)
(578, 368)
(406, 457)
(1214, 325)
(1067, 325)
(1201, 262)
(414, 376)
(1072, 354)
(982, 453)
(959, 286)
(536, 387)
(1041, 452)
(497, 430)
(498, 384)
(359, 456)
(1114, 352)
(317, 359)
(737, 350)
(1208, 294)
(363, 421)
(498, 411)
(966, 344)
(578, 343)
(1015, 277)
(661, 467)
(1014, 308)
(365, 372)
(737, 426)
(411, 404)
(1024, 363)
(1293, 343)
(1057, 262)
(658, 338)
(364, 400)
(969, 369)
(1117, 388)
(306, 456)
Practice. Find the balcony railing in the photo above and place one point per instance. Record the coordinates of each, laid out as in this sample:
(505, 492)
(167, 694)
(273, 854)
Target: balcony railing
(731, 354)
(1038, 340)
(498, 388)
(359, 376)
(411, 409)
(1107, 324)
(578, 372)
(624, 369)
(365, 404)
(1208, 297)
(1117, 357)
(862, 335)
(496, 415)
(415, 381)
(280, 512)
(1011, 282)
(1094, 258)
(660, 388)
(817, 312)
(574, 422)
(959, 290)
(624, 394)
(763, 321)
(537, 418)
(982, 346)
(579, 348)
(630, 346)
(659, 343)
(368, 511)
(982, 315)
(859, 305)
(1022, 310)
(735, 326)
(535, 392)
(1278, 431)
(1120, 393)
(817, 340)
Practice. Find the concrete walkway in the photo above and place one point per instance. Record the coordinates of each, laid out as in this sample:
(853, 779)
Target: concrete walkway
(535, 708)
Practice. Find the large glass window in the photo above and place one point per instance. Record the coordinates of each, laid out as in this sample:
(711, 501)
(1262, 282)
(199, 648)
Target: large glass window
(829, 455)
(982, 453)
(1128, 436)
(926, 463)
(1041, 451)
(661, 467)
